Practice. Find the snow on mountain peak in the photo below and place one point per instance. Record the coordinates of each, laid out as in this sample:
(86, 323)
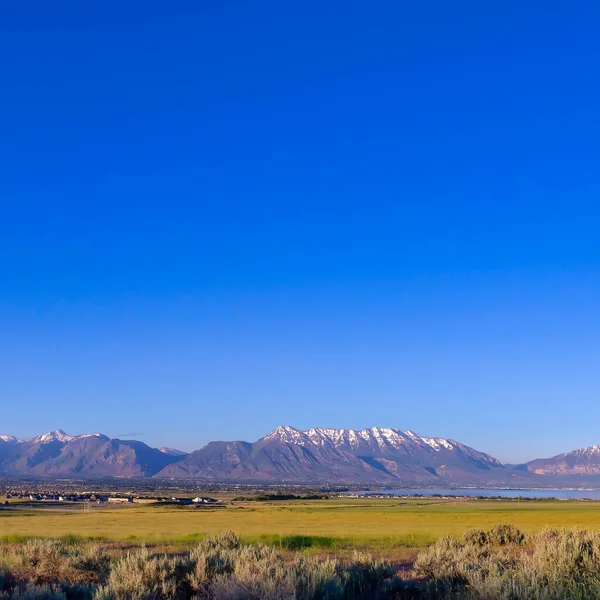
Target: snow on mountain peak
(52, 436)
(437, 443)
(287, 434)
(60, 436)
(86, 435)
(587, 451)
(172, 451)
(380, 437)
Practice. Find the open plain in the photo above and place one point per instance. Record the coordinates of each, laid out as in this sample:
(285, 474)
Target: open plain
(330, 523)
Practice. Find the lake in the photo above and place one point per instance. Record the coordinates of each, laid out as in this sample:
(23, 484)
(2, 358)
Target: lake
(560, 494)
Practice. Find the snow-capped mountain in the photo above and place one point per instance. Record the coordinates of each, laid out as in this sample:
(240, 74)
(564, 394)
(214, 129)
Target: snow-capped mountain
(378, 456)
(172, 451)
(373, 439)
(581, 462)
(9, 439)
(375, 455)
(60, 436)
(52, 436)
(57, 453)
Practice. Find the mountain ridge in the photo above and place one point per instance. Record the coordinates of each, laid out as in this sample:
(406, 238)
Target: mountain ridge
(582, 461)
(376, 455)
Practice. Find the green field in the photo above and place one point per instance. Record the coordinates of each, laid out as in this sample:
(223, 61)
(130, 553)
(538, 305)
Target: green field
(409, 523)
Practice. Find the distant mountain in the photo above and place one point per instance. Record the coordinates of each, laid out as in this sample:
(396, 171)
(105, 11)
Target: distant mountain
(584, 462)
(89, 455)
(215, 461)
(53, 436)
(173, 452)
(9, 439)
(7, 443)
(376, 455)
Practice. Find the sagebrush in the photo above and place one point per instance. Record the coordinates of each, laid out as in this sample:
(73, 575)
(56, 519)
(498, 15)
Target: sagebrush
(499, 564)
(218, 568)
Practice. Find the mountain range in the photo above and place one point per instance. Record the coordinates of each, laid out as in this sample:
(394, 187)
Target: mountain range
(375, 456)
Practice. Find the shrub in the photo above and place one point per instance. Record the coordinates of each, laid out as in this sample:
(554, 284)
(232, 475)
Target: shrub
(213, 557)
(41, 562)
(222, 569)
(313, 578)
(251, 572)
(259, 573)
(365, 575)
(224, 541)
(505, 534)
(139, 575)
(550, 565)
(449, 559)
(91, 559)
(476, 537)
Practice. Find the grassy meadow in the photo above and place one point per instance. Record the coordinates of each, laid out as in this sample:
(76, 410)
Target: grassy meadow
(377, 523)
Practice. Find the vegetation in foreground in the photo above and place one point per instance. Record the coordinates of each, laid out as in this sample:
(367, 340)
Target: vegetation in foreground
(504, 564)
(218, 568)
(499, 564)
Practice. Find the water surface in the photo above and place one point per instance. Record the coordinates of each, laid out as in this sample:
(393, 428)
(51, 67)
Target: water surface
(472, 493)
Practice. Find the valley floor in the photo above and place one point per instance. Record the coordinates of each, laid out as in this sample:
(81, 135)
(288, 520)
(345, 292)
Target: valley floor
(397, 549)
(378, 524)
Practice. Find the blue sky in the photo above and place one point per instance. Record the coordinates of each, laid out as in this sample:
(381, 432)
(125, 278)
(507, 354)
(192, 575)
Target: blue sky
(221, 217)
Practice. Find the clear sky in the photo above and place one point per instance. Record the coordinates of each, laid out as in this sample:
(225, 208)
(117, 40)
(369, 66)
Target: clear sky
(219, 217)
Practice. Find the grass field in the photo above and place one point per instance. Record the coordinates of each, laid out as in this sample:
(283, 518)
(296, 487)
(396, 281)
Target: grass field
(329, 523)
